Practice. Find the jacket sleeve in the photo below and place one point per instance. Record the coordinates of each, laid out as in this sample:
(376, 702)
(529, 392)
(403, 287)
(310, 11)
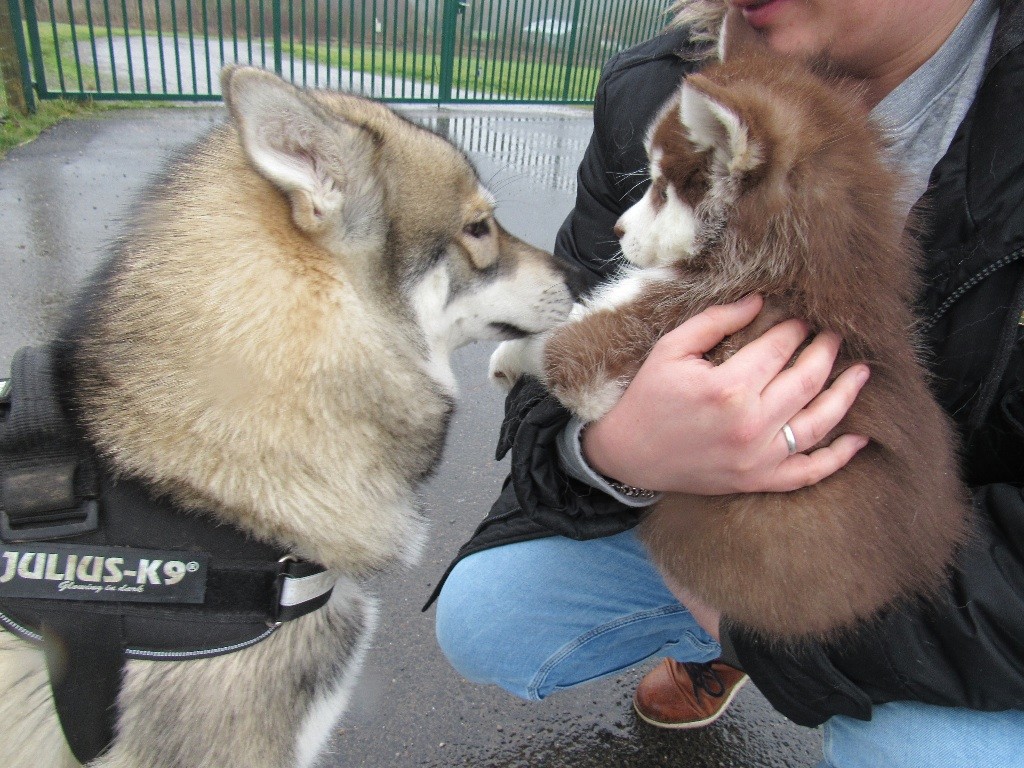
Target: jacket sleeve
(963, 649)
(545, 492)
(585, 239)
(534, 419)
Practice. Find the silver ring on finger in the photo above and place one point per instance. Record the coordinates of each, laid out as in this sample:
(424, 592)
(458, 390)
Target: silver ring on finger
(787, 432)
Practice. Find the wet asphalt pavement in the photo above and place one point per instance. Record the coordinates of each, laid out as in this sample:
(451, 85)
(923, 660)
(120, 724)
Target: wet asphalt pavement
(63, 198)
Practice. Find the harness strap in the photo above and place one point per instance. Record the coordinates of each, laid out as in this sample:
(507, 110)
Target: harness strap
(133, 575)
(48, 487)
(293, 590)
(85, 658)
(86, 645)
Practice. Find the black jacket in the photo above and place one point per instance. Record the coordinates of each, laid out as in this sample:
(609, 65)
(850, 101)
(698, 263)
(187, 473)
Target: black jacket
(966, 649)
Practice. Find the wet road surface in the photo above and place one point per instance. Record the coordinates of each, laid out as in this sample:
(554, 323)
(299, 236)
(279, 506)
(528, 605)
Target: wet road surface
(64, 196)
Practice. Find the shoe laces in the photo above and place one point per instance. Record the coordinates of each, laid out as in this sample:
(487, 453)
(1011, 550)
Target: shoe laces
(704, 678)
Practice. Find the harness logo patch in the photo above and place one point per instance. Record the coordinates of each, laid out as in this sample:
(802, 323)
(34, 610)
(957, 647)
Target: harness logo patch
(114, 574)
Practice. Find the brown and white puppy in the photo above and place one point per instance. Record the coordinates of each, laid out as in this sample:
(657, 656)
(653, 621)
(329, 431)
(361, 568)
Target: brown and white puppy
(768, 178)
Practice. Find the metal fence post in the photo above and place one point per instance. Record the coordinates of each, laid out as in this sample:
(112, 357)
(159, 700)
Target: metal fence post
(452, 8)
(276, 6)
(38, 88)
(572, 49)
(14, 64)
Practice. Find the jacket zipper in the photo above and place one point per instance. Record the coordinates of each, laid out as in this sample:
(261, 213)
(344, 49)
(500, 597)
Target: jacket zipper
(976, 278)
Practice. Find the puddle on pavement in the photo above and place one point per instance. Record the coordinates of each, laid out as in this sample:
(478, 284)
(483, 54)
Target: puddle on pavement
(546, 149)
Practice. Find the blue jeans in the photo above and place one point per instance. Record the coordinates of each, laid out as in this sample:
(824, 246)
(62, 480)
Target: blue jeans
(539, 616)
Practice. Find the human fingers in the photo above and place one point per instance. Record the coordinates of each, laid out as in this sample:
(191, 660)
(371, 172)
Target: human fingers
(759, 362)
(802, 470)
(704, 331)
(811, 425)
(796, 386)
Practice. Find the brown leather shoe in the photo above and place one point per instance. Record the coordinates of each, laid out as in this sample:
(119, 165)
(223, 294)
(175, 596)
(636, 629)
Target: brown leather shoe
(680, 695)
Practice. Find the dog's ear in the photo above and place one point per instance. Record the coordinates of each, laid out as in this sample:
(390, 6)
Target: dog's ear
(321, 162)
(711, 123)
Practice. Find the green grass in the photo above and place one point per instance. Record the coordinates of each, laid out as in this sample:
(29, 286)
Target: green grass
(507, 79)
(500, 78)
(66, 37)
(17, 129)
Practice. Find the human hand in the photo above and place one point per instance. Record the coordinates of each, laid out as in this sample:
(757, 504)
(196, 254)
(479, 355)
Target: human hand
(689, 426)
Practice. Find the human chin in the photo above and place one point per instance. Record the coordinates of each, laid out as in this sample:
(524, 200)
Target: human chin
(788, 27)
(795, 41)
(763, 14)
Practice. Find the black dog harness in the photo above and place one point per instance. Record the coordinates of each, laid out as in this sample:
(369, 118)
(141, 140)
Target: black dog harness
(98, 570)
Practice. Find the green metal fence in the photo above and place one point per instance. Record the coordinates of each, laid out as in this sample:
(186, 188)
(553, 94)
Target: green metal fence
(396, 50)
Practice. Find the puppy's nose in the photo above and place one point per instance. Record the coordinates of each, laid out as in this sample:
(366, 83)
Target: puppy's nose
(619, 230)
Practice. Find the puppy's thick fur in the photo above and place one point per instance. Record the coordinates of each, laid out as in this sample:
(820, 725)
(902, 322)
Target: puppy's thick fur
(270, 345)
(768, 178)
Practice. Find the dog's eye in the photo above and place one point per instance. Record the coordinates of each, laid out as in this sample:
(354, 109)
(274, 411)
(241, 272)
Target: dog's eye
(478, 229)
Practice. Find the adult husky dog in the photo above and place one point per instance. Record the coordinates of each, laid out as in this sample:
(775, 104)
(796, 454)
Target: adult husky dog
(269, 347)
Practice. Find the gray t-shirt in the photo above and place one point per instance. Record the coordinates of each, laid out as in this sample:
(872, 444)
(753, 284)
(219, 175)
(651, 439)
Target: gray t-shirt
(920, 116)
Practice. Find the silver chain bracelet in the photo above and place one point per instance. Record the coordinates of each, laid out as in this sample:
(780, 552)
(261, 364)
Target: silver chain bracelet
(631, 491)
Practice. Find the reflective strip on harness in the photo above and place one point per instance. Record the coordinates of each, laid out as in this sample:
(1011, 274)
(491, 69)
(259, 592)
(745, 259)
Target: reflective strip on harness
(307, 588)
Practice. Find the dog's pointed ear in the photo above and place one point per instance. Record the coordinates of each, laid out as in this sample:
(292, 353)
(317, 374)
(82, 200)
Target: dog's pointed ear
(711, 123)
(317, 160)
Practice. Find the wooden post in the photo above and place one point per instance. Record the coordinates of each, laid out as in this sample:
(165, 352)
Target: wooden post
(14, 59)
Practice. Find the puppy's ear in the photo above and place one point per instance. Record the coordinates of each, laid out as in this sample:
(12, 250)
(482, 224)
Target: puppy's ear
(321, 162)
(737, 37)
(711, 123)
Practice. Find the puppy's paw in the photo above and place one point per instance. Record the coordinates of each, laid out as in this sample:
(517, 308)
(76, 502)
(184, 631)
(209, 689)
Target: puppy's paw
(507, 363)
(517, 358)
(592, 400)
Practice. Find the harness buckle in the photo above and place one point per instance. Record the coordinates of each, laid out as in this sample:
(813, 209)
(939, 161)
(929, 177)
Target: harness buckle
(90, 508)
(302, 587)
(39, 502)
(283, 562)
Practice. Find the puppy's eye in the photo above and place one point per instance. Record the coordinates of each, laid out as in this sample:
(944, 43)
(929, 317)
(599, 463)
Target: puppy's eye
(478, 229)
(663, 194)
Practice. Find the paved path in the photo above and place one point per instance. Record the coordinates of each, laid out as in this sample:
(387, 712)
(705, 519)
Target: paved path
(186, 65)
(62, 198)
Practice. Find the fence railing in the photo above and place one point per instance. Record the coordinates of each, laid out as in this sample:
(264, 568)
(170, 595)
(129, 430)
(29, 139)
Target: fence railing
(395, 50)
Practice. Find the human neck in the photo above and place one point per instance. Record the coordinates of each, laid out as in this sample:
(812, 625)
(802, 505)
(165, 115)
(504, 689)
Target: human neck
(897, 63)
